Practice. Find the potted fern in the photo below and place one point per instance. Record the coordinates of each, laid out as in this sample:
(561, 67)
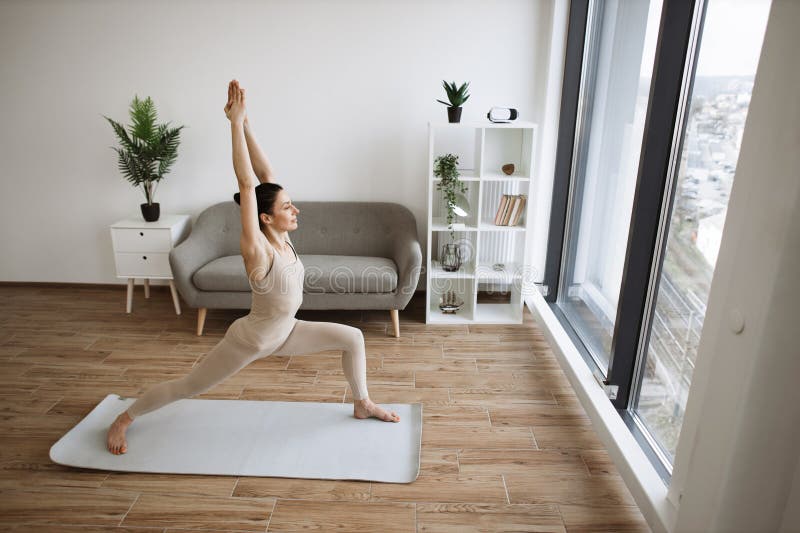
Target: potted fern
(457, 97)
(445, 168)
(147, 151)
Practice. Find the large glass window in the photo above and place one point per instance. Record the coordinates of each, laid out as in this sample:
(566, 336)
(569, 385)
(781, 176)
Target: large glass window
(654, 104)
(732, 35)
(615, 83)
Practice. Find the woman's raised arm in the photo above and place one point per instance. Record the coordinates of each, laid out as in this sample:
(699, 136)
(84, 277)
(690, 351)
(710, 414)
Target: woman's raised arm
(236, 112)
(258, 158)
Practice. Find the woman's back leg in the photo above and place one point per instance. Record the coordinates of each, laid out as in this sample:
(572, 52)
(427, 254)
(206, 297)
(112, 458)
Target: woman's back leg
(224, 360)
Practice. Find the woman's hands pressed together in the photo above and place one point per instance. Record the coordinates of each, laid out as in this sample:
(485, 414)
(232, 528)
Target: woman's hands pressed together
(235, 109)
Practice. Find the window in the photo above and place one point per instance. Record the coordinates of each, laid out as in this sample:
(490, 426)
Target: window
(620, 41)
(723, 82)
(654, 102)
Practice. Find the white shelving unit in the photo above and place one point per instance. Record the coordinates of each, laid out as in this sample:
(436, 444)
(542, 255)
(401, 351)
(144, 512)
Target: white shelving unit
(483, 148)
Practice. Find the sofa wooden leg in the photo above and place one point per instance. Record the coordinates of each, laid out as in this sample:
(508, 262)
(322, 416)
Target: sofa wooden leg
(395, 321)
(201, 320)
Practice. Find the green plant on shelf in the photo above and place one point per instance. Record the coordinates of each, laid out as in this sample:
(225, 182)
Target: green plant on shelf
(445, 168)
(456, 95)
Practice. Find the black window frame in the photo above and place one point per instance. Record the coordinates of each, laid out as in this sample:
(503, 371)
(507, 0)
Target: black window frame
(678, 43)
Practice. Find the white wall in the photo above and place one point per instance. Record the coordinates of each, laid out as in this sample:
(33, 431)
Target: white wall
(340, 96)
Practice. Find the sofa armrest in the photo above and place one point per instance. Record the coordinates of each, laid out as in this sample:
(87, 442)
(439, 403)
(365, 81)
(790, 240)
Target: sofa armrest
(187, 258)
(407, 254)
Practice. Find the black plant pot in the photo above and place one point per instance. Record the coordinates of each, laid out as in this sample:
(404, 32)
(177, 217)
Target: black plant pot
(150, 212)
(454, 114)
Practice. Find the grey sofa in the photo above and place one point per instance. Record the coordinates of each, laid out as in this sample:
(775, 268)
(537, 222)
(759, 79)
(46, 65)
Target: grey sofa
(357, 255)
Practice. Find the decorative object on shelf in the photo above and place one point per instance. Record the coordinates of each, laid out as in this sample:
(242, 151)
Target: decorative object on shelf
(510, 210)
(451, 257)
(449, 302)
(461, 210)
(457, 97)
(445, 168)
(147, 151)
(502, 114)
(508, 169)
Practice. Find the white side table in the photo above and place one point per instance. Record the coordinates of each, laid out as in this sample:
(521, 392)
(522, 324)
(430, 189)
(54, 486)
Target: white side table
(141, 250)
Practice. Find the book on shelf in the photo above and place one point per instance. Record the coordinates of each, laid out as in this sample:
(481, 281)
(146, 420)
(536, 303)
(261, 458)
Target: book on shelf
(505, 200)
(511, 199)
(510, 209)
(520, 209)
(498, 217)
(512, 212)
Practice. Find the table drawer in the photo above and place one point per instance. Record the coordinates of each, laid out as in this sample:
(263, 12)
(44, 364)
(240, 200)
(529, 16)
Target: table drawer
(141, 240)
(143, 265)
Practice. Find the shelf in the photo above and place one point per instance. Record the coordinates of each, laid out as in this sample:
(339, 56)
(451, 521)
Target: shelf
(483, 147)
(466, 271)
(484, 124)
(462, 177)
(486, 274)
(164, 222)
(440, 224)
(503, 177)
(497, 313)
(487, 177)
(489, 226)
(437, 317)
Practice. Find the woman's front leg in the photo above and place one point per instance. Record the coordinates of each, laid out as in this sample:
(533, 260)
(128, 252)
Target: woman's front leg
(314, 337)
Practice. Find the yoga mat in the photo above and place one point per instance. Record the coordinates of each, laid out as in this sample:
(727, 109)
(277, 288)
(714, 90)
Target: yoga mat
(251, 438)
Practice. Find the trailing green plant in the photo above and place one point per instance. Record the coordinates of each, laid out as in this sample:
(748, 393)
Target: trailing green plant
(457, 96)
(147, 150)
(444, 167)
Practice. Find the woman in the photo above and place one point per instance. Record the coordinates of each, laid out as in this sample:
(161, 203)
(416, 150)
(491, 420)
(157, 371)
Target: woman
(276, 277)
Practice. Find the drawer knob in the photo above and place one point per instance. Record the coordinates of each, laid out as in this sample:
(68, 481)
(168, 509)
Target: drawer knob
(141, 234)
(144, 257)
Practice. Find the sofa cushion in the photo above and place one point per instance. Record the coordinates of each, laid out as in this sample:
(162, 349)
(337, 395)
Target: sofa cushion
(323, 274)
(223, 274)
(340, 274)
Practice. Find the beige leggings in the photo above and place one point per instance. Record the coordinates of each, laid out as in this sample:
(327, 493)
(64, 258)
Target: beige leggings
(229, 356)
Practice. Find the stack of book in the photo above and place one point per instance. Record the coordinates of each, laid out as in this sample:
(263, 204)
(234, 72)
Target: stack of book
(511, 208)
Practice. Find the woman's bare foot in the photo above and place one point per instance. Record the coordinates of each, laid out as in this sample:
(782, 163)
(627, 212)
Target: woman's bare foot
(116, 434)
(367, 408)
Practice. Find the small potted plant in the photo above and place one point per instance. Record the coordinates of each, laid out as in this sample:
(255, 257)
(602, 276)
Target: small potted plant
(147, 151)
(457, 97)
(445, 168)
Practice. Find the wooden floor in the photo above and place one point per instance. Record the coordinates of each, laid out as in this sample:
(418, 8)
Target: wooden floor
(505, 444)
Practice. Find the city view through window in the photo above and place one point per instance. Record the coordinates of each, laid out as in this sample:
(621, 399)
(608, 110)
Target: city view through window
(731, 42)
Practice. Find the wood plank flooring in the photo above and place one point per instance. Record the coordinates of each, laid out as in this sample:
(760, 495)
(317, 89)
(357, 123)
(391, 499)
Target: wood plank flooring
(505, 444)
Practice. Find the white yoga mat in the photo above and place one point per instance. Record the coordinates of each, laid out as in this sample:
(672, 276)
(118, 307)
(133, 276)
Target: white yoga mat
(251, 438)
